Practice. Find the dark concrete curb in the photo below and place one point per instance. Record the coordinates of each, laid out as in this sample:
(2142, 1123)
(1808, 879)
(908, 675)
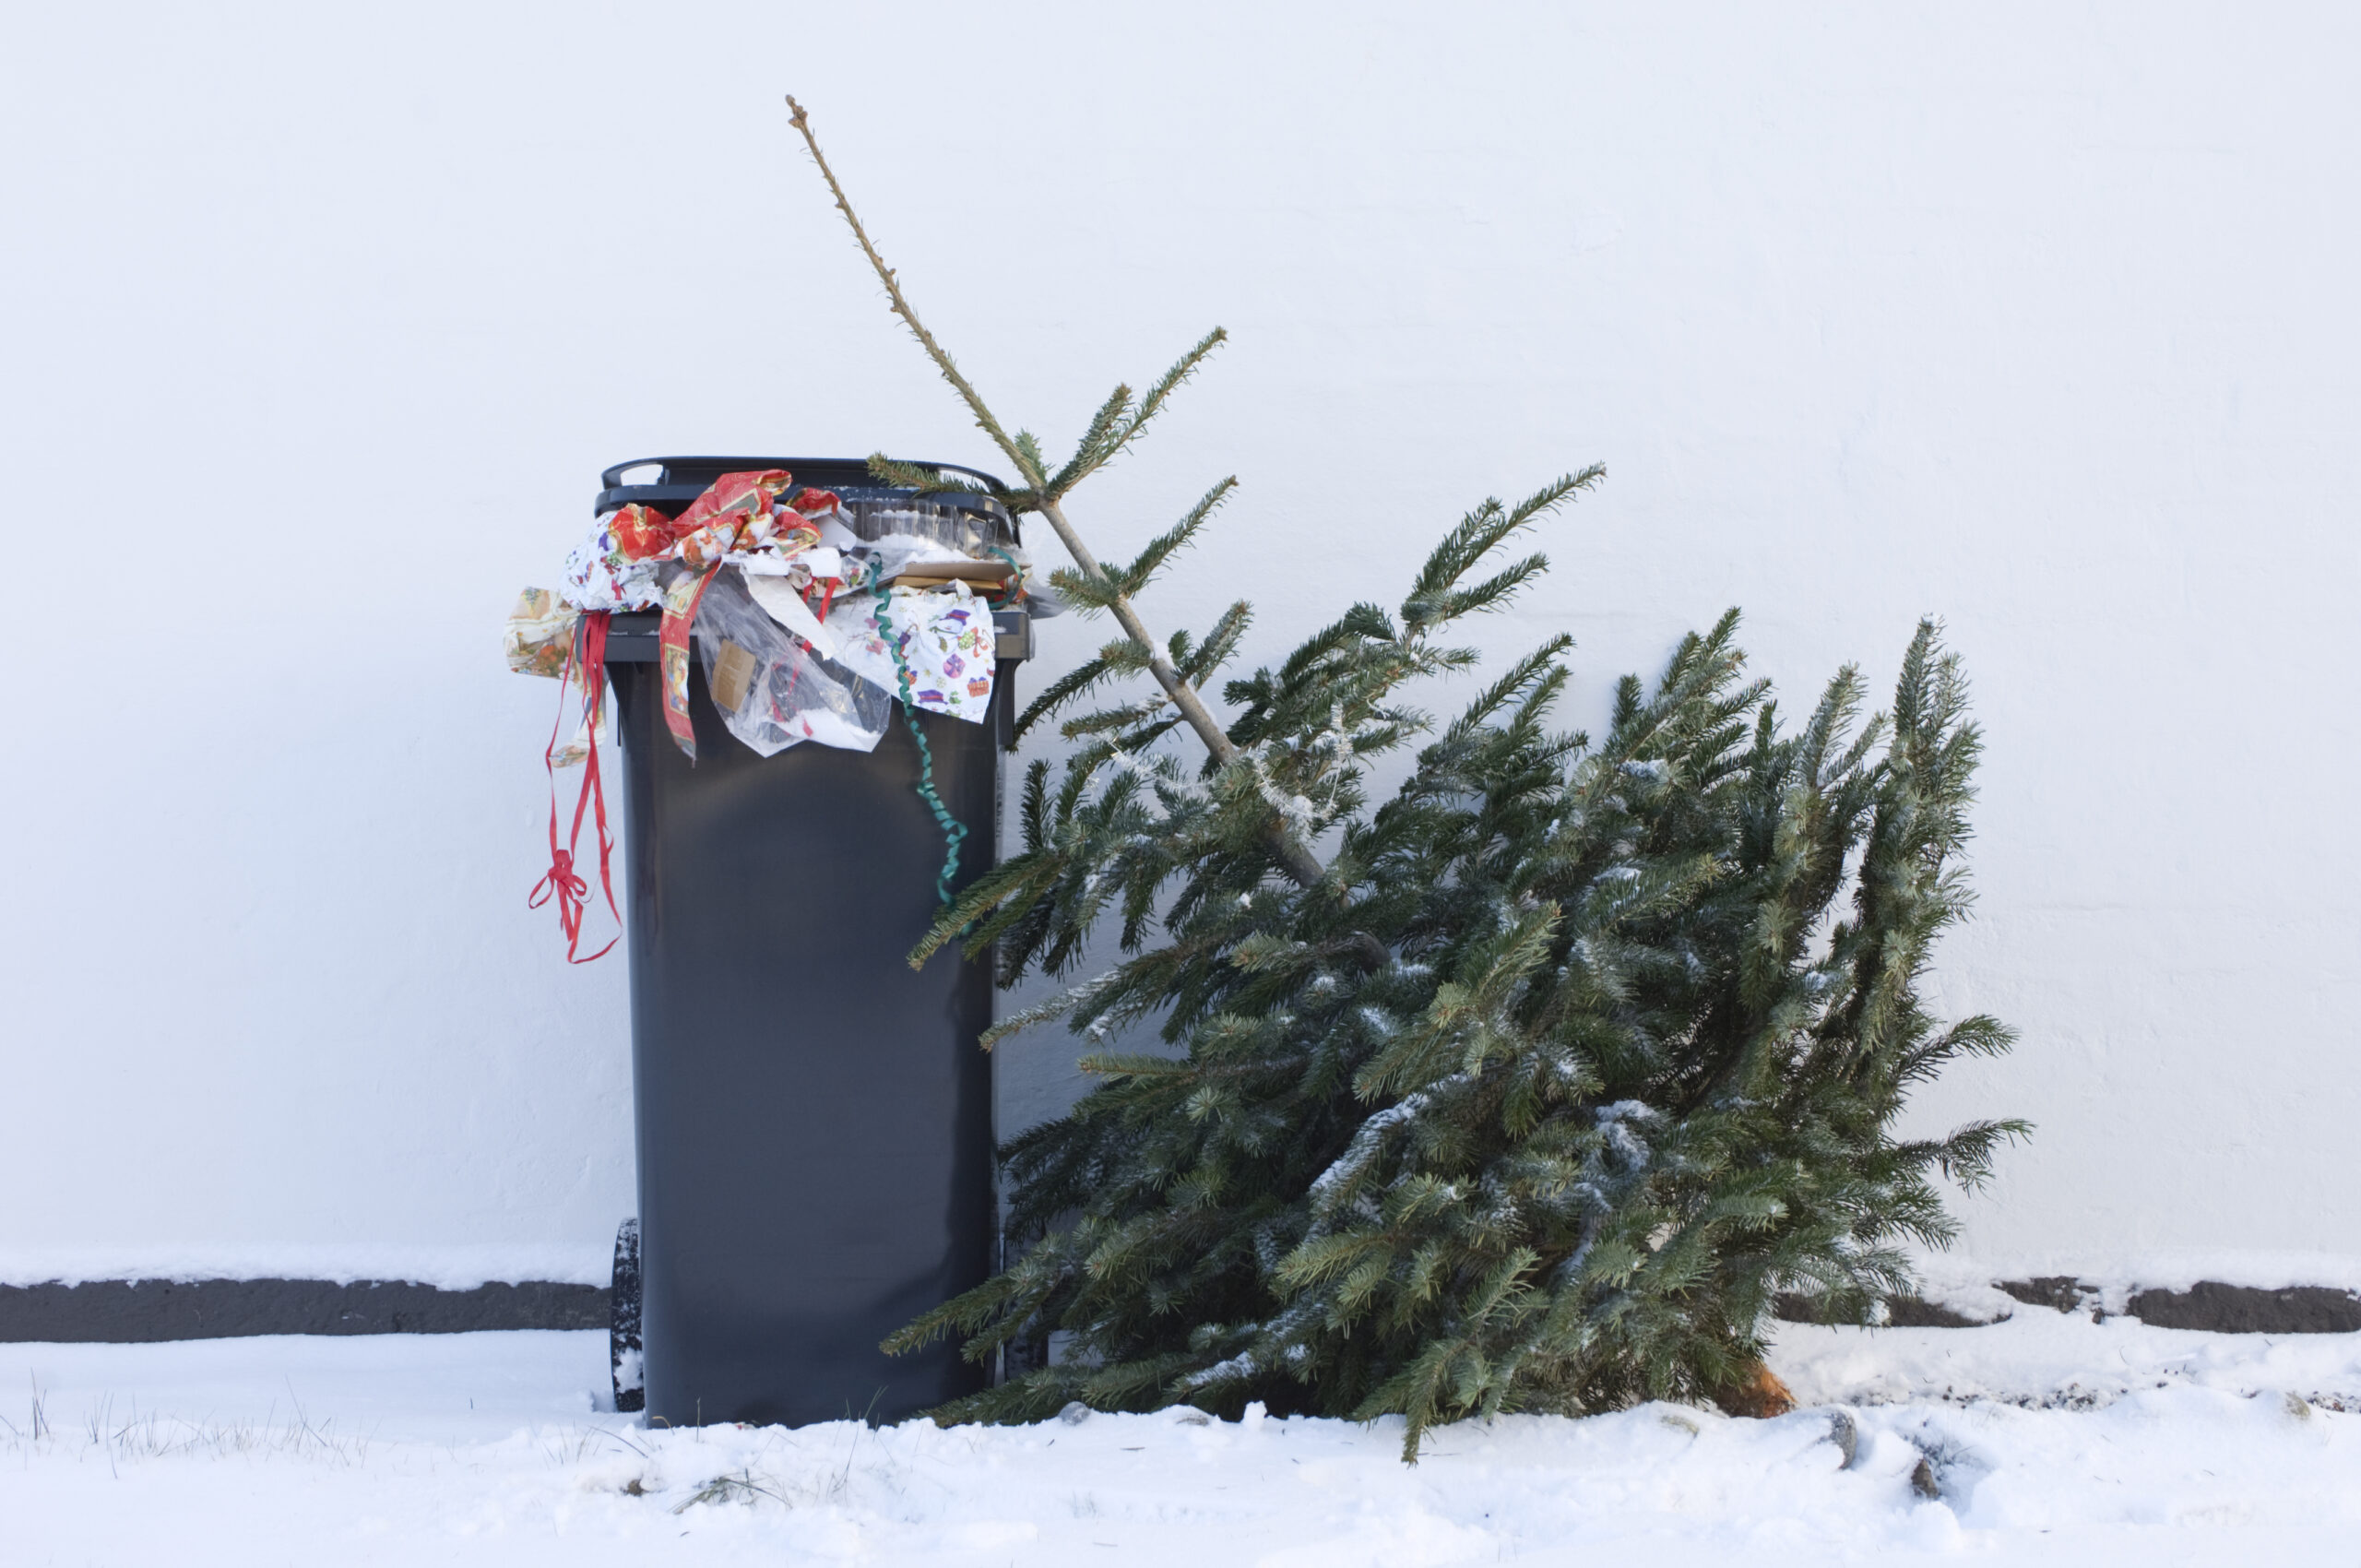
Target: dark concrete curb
(2209, 1306)
(1902, 1312)
(140, 1311)
(2244, 1308)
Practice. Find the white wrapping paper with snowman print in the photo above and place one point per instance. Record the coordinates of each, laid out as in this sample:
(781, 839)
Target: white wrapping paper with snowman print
(943, 636)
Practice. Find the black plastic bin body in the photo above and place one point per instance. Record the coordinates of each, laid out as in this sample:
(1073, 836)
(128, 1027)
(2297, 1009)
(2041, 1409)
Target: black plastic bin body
(813, 1117)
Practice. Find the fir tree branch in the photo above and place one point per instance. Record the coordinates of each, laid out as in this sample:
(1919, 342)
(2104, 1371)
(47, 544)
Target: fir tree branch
(1300, 864)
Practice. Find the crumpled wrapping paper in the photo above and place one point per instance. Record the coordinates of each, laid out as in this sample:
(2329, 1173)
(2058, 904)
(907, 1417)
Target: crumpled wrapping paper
(824, 665)
(538, 636)
(733, 507)
(683, 590)
(944, 636)
(616, 568)
(538, 640)
(611, 570)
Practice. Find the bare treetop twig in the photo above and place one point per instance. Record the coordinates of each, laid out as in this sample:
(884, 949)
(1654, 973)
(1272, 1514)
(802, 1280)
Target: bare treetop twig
(1300, 865)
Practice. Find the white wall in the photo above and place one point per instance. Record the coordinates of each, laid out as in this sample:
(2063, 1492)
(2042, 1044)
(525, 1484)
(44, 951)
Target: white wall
(321, 320)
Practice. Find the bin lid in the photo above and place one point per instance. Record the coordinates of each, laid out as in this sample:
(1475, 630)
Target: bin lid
(683, 480)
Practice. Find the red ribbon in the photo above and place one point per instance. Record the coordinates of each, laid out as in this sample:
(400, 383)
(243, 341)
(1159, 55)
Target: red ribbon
(585, 665)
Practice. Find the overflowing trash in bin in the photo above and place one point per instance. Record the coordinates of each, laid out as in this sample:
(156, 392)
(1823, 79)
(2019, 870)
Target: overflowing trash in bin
(812, 615)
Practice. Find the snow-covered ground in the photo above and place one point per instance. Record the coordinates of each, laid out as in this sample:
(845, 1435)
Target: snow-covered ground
(2050, 1438)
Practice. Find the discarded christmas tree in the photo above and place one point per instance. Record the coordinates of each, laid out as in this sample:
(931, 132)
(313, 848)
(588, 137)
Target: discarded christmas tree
(1525, 1088)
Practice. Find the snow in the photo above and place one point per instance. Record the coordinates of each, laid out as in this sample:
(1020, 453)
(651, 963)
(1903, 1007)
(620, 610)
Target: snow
(487, 1448)
(2044, 1357)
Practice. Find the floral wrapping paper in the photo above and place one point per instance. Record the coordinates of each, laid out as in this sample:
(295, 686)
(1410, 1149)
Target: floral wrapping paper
(539, 633)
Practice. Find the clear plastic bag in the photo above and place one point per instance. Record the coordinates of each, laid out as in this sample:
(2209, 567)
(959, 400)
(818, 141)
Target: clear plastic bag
(772, 690)
(953, 527)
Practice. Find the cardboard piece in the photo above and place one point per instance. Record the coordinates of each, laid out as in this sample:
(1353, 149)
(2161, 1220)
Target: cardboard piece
(733, 677)
(983, 575)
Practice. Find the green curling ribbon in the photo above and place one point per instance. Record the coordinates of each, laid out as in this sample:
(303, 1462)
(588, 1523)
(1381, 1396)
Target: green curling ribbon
(1015, 592)
(955, 832)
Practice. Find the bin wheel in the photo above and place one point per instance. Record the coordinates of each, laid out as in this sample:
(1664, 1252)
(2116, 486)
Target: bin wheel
(622, 1321)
